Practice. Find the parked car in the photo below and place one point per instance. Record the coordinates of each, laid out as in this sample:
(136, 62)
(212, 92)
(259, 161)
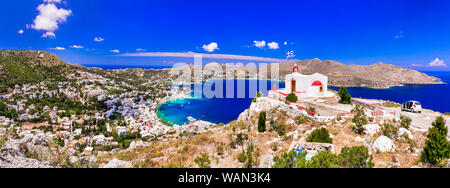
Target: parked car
(412, 106)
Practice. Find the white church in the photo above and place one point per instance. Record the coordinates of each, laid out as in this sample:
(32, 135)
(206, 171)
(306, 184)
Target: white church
(315, 85)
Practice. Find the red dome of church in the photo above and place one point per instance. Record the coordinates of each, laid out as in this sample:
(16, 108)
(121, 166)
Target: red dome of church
(317, 83)
(295, 69)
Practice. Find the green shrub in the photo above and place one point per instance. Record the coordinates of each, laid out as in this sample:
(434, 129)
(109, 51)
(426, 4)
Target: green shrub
(262, 122)
(242, 157)
(301, 119)
(291, 98)
(390, 130)
(281, 129)
(272, 125)
(324, 159)
(320, 135)
(437, 147)
(405, 122)
(248, 157)
(173, 165)
(286, 160)
(274, 147)
(259, 94)
(220, 150)
(203, 161)
(355, 157)
(345, 98)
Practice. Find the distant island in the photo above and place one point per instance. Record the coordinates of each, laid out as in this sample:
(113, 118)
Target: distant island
(378, 75)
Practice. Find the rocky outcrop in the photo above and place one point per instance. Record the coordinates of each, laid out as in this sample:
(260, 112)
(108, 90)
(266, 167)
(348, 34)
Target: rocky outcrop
(314, 146)
(13, 158)
(266, 161)
(383, 144)
(116, 163)
(402, 132)
(266, 104)
(371, 129)
(15, 153)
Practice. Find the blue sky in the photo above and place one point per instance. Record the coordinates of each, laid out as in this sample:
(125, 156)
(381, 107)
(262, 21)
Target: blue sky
(408, 33)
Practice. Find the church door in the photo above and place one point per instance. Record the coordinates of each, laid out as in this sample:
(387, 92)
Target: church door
(293, 86)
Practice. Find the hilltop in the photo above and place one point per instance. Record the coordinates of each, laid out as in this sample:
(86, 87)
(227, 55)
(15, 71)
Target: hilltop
(28, 66)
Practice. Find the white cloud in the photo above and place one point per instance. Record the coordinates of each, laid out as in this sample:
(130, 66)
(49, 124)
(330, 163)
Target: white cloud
(48, 34)
(20, 32)
(140, 50)
(58, 48)
(52, 1)
(437, 63)
(417, 65)
(98, 39)
(49, 18)
(211, 47)
(115, 51)
(76, 46)
(273, 45)
(259, 44)
(399, 35)
(285, 43)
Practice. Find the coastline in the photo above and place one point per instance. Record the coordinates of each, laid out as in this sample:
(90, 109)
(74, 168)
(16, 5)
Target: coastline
(187, 97)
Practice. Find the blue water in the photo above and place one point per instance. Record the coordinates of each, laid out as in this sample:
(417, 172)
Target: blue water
(215, 110)
(224, 110)
(435, 97)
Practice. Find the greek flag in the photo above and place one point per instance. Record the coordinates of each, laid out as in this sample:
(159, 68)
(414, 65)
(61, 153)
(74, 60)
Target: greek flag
(290, 54)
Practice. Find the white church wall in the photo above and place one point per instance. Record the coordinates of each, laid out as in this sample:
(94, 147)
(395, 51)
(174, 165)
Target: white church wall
(304, 83)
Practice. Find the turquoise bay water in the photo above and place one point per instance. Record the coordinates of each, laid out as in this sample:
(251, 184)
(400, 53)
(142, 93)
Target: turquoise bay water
(224, 110)
(215, 110)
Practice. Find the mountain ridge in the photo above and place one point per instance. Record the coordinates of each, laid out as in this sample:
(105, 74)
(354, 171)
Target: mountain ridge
(18, 67)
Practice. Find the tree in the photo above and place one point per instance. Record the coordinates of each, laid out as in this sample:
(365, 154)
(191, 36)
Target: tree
(359, 119)
(262, 122)
(437, 147)
(291, 98)
(324, 159)
(355, 157)
(320, 135)
(286, 160)
(345, 98)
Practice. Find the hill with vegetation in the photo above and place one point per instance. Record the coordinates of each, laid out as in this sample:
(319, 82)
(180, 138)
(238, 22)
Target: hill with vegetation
(28, 66)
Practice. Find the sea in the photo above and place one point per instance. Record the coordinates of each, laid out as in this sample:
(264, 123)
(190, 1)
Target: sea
(223, 110)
